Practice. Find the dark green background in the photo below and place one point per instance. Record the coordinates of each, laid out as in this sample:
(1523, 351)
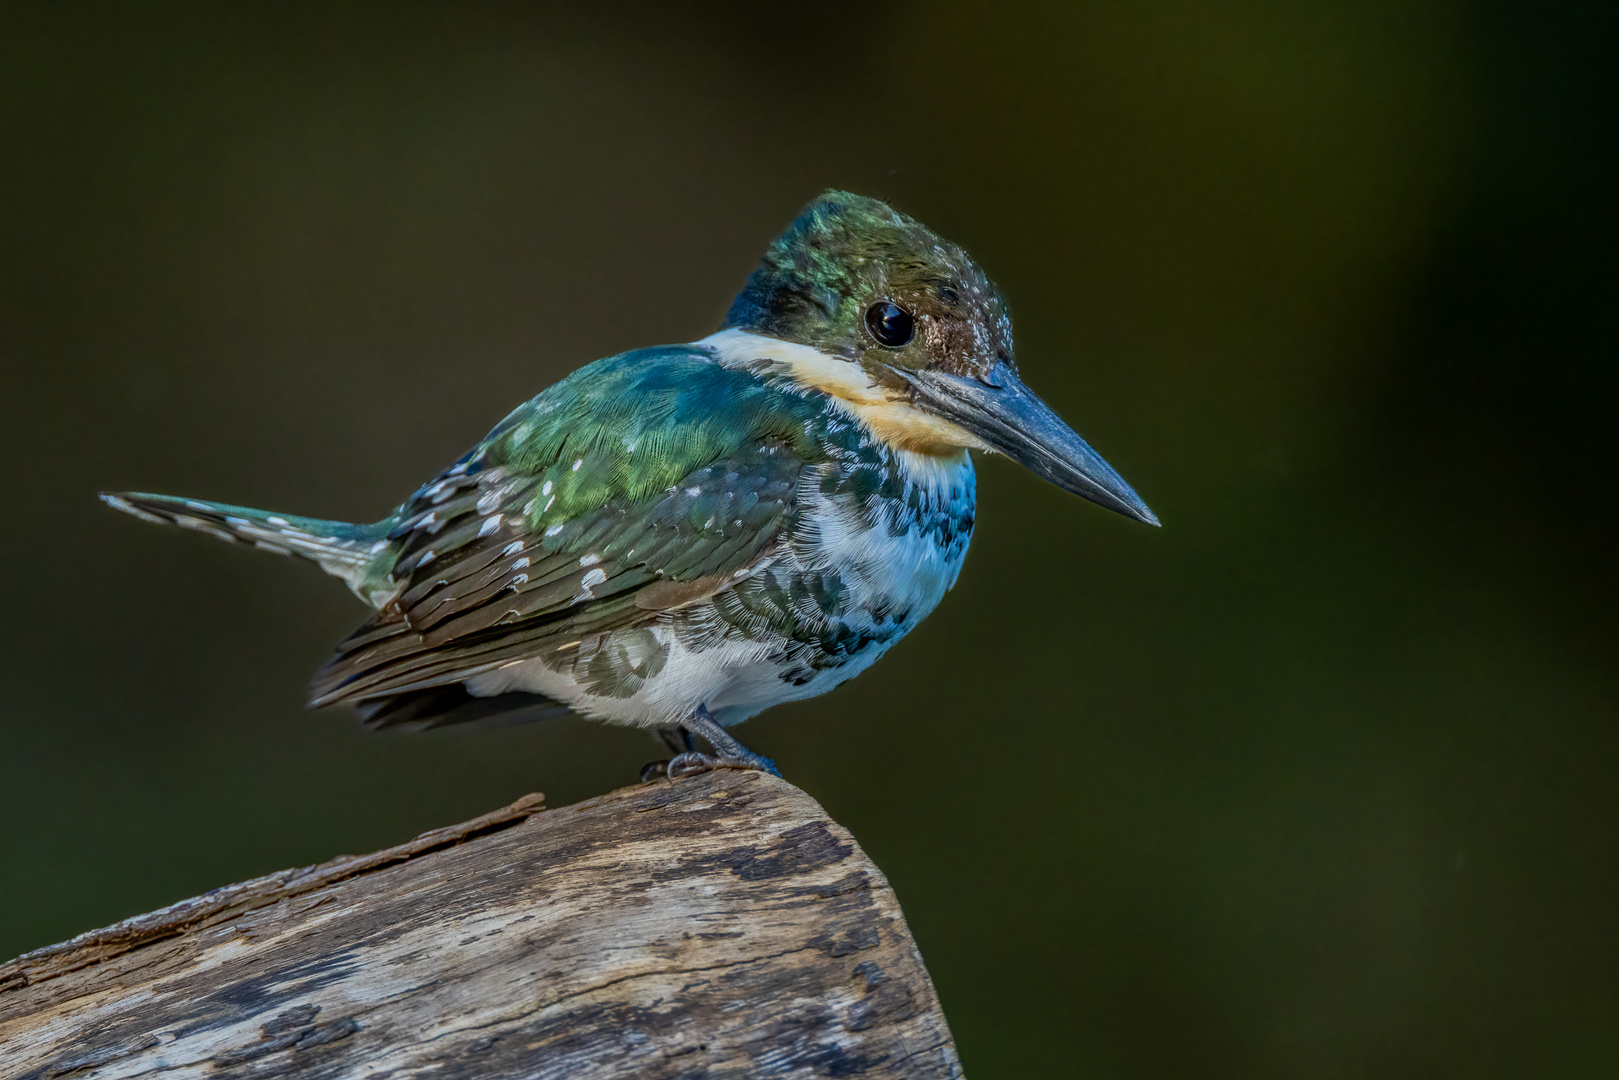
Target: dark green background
(1317, 781)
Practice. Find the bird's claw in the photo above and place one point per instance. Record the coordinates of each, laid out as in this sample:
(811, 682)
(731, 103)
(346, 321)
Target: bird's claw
(691, 763)
(654, 770)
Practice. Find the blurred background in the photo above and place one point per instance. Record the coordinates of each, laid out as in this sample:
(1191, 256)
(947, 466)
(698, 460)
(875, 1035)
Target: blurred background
(1316, 781)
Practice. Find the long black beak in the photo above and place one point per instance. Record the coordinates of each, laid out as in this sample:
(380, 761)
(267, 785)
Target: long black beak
(1003, 412)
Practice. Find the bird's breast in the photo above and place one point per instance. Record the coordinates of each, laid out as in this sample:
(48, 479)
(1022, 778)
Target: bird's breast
(894, 529)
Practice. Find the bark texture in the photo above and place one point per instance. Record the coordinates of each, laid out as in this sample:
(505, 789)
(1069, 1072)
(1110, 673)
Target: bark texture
(719, 926)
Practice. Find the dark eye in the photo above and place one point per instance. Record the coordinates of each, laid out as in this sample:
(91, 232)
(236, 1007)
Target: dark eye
(890, 324)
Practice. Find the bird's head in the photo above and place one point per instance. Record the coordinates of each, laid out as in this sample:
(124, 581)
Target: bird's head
(916, 338)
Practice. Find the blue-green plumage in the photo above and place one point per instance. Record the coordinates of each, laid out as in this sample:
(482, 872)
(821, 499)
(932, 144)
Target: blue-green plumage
(689, 534)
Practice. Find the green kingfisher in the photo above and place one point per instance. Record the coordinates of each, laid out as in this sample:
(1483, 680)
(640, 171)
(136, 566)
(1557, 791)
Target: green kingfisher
(678, 537)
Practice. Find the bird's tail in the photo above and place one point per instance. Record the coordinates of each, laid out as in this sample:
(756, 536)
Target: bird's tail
(344, 550)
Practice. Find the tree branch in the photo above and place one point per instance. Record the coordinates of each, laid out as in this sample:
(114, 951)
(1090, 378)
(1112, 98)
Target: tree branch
(721, 926)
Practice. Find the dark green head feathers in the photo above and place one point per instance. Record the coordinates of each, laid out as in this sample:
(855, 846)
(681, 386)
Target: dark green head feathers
(857, 279)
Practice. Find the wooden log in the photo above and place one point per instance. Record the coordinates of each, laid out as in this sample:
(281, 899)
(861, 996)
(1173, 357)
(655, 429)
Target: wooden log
(719, 926)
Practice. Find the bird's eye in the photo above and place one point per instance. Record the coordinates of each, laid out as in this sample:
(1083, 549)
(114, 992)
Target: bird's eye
(890, 324)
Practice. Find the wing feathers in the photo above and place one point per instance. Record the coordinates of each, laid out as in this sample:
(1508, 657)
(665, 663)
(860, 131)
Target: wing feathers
(491, 573)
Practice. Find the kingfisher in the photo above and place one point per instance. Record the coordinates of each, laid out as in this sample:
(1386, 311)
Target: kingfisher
(678, 537)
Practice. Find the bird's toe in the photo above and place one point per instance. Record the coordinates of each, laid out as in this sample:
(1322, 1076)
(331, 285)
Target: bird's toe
(691, 763)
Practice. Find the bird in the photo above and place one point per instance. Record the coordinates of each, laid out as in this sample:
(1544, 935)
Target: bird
(679, 537)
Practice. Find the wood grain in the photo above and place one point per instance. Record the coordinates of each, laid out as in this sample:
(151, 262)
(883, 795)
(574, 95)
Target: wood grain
(719, 926)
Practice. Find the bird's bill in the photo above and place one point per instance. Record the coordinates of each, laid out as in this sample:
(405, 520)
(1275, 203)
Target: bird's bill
(1007, 415)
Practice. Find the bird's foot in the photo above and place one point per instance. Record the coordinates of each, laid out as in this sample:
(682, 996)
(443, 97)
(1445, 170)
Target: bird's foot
(691, 763)
(688, 761)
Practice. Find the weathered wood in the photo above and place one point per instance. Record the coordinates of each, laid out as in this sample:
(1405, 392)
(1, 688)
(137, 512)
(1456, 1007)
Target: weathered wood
(721, 926)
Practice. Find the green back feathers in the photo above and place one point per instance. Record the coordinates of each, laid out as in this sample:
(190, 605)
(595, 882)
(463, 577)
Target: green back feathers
(628, 427)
